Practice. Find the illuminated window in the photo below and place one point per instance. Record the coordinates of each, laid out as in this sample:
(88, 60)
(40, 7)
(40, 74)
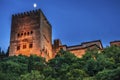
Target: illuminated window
(30, 45)
(24, 46)
(18, 48)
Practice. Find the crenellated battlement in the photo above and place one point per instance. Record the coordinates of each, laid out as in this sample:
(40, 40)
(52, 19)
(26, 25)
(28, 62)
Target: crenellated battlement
(33, 12)
(36, 12)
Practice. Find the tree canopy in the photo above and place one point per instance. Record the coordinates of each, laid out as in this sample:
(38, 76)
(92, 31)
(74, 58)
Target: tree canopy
(94, 65)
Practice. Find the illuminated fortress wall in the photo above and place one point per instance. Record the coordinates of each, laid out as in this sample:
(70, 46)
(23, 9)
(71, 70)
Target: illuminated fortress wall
(31, 34)
(77, 50)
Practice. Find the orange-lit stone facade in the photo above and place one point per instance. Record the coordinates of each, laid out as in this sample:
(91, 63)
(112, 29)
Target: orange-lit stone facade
(117, 43)
(77, 50)
(31, 33)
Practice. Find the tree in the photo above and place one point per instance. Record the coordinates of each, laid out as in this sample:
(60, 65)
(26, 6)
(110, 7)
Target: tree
(94, 65)
(64, 62)
(113, 52)
(13, 67)
(97, 61)
(36, 63)
(7, 53)
(109, 74)
(2, 54)
(34, 75)
(75, 74)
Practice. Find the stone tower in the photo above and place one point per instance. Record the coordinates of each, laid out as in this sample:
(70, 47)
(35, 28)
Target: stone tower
(31, 33)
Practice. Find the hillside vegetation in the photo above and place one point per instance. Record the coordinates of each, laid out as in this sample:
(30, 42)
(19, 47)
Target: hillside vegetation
(94, 65)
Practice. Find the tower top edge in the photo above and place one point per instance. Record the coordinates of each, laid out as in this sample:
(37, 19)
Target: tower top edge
(27, 13)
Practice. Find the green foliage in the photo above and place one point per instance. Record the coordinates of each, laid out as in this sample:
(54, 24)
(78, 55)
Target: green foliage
(91, 67)
(8, 76)
(63, 63)
(94, 65)
(97, 61)
(2, 76)
(36, 63)
(113, 52)
(89, 78)
(3, 54)
(34, 75)
(14, 66)
(76, 74)
(109, 74)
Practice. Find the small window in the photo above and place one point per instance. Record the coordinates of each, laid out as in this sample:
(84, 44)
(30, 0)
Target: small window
(31, 32)
(28, 33)
(18, 35)
(25, 34)
(24, 46)
(21, 34)
(30, 45)
(18, 48)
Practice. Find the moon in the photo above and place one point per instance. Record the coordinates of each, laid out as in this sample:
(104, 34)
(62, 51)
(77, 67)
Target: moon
(34, 5)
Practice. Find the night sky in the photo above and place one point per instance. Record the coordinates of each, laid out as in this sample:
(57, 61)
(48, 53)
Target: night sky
(73, 21)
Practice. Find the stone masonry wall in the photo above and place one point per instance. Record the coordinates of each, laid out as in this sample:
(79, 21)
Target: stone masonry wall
(30, 31)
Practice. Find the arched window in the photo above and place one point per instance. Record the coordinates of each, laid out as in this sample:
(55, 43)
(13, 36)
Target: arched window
(18, 35)
(31, 32)
(18, 47)
(30, 45)
(21, 34)
(24, 46)
(25, 34)
(28, 33)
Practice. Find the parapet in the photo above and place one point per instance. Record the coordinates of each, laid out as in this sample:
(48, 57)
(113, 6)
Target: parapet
(33, 12)
(116, 42)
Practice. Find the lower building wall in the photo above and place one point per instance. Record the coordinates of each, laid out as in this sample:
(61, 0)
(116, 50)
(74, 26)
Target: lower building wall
(115, 43)
(79, 53)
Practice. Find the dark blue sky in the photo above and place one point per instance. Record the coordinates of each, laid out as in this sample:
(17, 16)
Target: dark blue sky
(73, 21)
